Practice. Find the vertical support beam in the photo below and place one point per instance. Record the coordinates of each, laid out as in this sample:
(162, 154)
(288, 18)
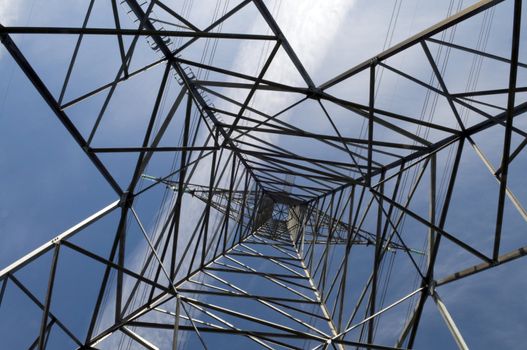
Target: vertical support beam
(181, 188)
(2, 290)
(432, 205)
(34, 345)
(234, 172)
(430, 273)
(325, 256)
(212, 181)
(246, 192)
(102, 288)
(344, 278)
(176, 323)
(376, 261)
(431, 243)
(121, 238)
(516, 27)
(128, 196)
(370, 120)
(47, 304)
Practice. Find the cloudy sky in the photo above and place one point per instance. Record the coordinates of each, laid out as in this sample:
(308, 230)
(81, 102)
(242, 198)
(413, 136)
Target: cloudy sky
(49, 185)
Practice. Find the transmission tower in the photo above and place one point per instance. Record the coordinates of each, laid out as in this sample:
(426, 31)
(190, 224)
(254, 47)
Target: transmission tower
(244, 226)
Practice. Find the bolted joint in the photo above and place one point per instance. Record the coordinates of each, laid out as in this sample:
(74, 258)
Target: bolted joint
(126, 200)
(431, 287)
(314, 93)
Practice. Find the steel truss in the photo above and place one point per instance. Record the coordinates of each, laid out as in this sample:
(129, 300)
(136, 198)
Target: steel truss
(271, 259)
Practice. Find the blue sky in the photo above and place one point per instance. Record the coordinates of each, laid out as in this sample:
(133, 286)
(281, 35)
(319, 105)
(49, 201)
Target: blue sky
(49, 184)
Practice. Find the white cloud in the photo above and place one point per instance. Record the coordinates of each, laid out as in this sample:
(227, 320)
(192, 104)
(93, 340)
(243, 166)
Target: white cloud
(310, 27)
(304, 33)
(10, 11)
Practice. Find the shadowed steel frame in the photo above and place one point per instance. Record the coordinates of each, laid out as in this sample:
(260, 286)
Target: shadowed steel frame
(325, 210)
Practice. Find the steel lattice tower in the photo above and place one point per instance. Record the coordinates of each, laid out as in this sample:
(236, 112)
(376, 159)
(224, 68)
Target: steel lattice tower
(246, 240)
